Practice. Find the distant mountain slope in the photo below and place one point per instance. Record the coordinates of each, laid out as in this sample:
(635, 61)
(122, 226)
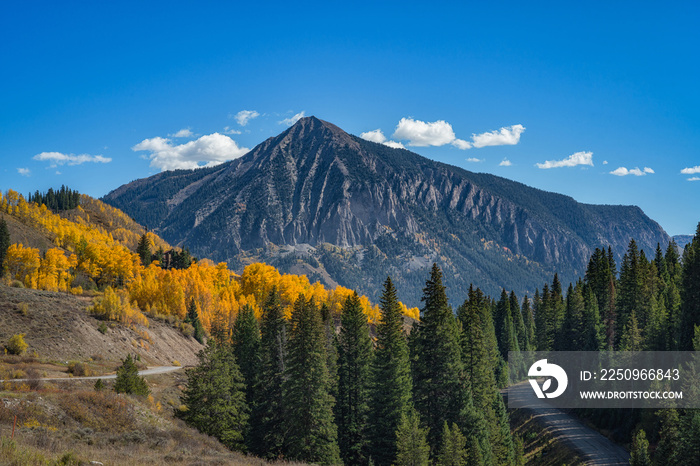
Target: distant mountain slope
(682, 240)
(351, 211)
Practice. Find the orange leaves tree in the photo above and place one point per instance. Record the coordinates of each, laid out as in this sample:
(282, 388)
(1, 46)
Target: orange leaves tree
(101, 245)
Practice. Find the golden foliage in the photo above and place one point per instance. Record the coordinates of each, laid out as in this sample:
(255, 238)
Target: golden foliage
(98, 241)
(23, 264)
(16, 344)
(115, 305)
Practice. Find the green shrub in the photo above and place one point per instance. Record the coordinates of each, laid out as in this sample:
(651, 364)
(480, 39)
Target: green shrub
(78, 369)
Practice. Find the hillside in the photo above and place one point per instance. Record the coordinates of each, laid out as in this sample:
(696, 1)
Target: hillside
(349, 211)
(58, 326)
(68, 422)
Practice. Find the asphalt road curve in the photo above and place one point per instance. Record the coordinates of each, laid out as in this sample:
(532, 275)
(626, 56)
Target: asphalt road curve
(591, 446)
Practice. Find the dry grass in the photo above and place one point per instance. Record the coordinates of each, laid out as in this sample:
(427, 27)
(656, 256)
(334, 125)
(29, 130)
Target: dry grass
(58, 328)
(76, 425)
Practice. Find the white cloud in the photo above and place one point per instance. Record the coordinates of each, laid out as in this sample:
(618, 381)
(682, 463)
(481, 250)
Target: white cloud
(244, 116)
(474, 160)
(24, 171)
(378, 137)
(439, 133)
(422, 134)
(206, 151)
(394, 144)
(622, 171)
(229, 130)
(291, 120)
(374, 136)
(461, 144)
(183, 133)
(505, 163)
(506, 136)
(57, 158)
(691, 170)
(579, 158)
(605, 162)
(694, 178)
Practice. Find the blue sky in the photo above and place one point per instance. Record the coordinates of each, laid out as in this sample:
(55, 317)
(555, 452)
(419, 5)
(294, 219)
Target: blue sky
(85, 84)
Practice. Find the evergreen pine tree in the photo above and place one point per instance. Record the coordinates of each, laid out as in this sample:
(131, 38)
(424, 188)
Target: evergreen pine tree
(214, 398)
(4, 244)
(672, 301)
(478, 352)
(391, 375)
(512, 350)
(597, 278)
(128, 380)
(144, 250)
(544, 319)
(611, 263)
(267, 417)
(660, 262)
(571, 334)
(453, 451)
(690, 292)
(354, 363)
(311, 434)
(558, 308)
(672, 260)
(630, 291)
(639, 456)
(245, 339)
(689, 447)
(669, 438)
(192, 318)
(501, 438)
(593, 330)
(439, 386)
(159, 255)
(657, 338)
(331, 339)
(610, 323)
(631, 339)
(474, 453)
(530, 329)
(503, 329)
(411, 442)
(518, 322)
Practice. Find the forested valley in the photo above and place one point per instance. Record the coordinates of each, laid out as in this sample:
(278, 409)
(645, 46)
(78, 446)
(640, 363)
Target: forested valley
(294, 371)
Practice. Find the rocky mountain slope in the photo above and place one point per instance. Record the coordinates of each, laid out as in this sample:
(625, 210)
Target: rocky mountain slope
(318, 200)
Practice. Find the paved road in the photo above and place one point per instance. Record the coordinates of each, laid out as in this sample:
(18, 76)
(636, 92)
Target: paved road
(151, 371)
(591, 446)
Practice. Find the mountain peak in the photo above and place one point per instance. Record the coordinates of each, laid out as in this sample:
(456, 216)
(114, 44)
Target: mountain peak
(311, 123)
(350, 208)
(311, 131)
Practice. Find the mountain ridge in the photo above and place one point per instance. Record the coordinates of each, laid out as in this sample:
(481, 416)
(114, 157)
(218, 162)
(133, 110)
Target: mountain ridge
(366, 209)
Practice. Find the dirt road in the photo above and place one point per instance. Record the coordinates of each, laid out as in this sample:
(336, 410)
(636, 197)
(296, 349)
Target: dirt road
(151, 371)
(591, 446)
